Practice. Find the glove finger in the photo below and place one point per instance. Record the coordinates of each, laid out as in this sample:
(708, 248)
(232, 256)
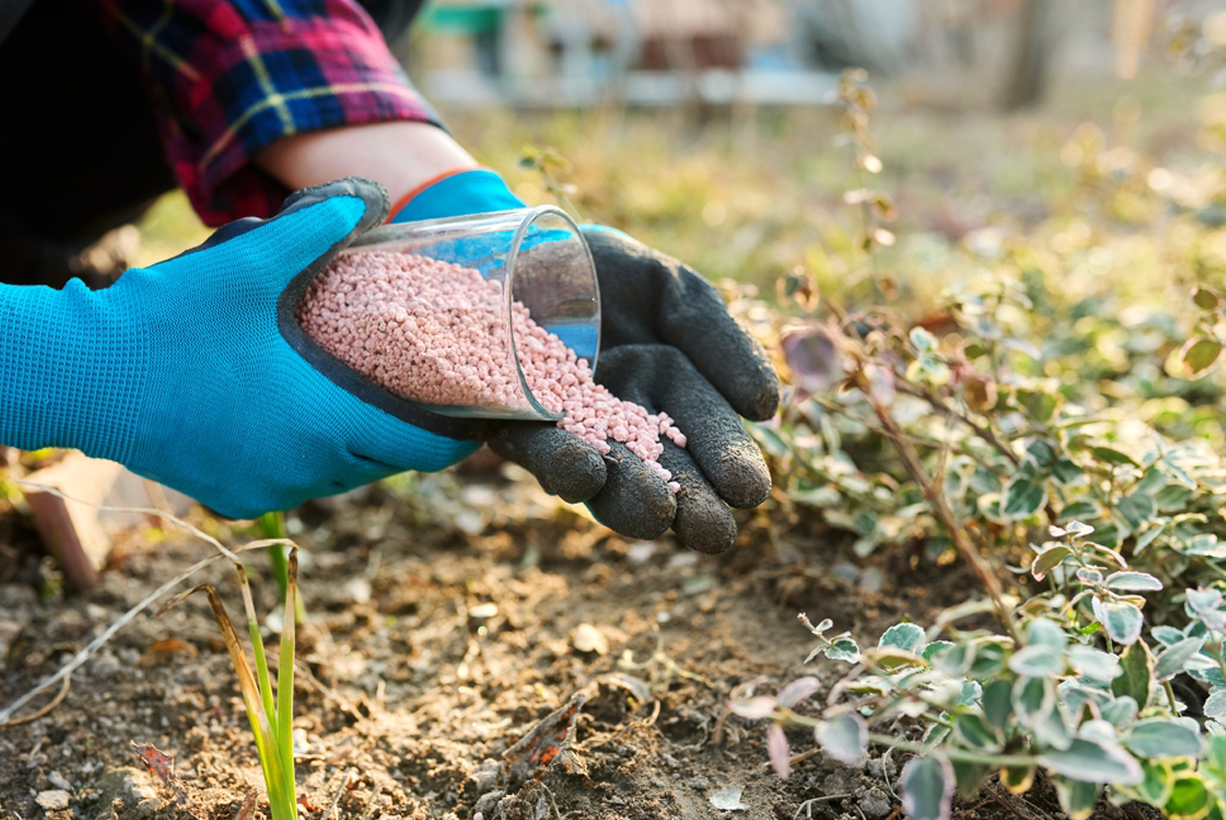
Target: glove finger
(660, 377)
(649, 297)
(703, 522)
(634, 501)
(564, 464)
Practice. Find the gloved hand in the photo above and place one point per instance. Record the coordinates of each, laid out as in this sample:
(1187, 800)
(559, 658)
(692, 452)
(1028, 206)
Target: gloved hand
(667, 343)
(194, 373)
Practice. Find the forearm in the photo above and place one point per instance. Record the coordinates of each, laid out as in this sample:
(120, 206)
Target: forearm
(68, 375)
(401, 156)
(232, 79)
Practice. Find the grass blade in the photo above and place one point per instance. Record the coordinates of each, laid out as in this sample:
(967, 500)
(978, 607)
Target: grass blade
(265, 741)
(285, 682)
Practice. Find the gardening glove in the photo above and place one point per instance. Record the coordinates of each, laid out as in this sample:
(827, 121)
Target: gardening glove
(669, 344)
(194, 373)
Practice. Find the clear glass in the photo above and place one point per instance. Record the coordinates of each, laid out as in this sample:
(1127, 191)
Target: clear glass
(539, 259)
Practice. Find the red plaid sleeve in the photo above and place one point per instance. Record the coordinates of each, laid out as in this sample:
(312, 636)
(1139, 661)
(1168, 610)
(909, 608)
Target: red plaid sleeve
(229, 78)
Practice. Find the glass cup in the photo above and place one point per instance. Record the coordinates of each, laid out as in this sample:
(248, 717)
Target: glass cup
(535, 257)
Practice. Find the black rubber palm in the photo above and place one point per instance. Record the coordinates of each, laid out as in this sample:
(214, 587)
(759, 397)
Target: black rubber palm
(667, 343)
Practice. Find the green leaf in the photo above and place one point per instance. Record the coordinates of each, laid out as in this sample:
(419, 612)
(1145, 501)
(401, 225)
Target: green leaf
(1153, 480)
(1158, 738)
(1046, 632)
(1094, 663)
(1074, 693)
(930, 650)
(1039, 405)
(1131, 581)
(1199, 354)
(1171, 661)
(905, 636)
(1042, 453)
(1215, 705)
(1205, 544)
(1022, 498)
(1033, 699)
(973, 732)
(1077, 529)
(1135, 510)
(1037, 661)
(1172, 497)
(1051, 731)
(969, 695)
(989, 660)
(1093, 761)
(1206, 298)
(843, 737)
(771, 441)
(1134, 683)
(1077, 798)
(1190, 800)
(1017, 779)
(1067, 471)
(1166, 635)
(1047, 560)
(1122, 620)
(1110, 455)
(1214, 759)
(969, 776)
(1081, 510)
(923, 339)
(953, 660)
(1147, 537)
(1155, 787)
(843, 649)
(997, 703)
(1120, 711)
(927, 787)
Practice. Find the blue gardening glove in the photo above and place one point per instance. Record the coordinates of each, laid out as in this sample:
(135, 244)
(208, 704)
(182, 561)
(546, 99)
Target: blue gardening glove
(194, 373)
(667, 343)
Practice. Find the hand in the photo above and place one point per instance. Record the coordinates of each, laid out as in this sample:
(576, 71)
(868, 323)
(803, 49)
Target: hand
(194, 373)
(667, 343)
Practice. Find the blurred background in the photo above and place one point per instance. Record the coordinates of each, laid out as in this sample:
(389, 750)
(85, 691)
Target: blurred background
(722, 131)
(658, 53)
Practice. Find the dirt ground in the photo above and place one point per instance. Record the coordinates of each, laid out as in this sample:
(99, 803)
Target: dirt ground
(446, 616)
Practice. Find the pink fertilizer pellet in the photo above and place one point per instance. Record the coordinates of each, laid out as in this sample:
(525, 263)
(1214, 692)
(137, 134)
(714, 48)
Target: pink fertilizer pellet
(429, 331)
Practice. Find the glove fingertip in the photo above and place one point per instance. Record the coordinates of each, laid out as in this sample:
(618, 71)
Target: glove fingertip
(762, 403)
(705, 525)
(634, 501)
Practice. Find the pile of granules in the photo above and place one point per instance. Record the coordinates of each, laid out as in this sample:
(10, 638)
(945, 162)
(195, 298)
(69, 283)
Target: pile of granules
(431, 332)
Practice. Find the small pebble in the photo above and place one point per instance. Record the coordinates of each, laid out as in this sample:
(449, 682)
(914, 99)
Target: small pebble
(53, 799)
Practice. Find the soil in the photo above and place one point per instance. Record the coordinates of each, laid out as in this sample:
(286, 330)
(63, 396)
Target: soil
(446, 616)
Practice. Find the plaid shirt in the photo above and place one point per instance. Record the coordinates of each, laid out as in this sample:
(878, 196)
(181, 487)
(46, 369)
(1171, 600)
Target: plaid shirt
(228, 78)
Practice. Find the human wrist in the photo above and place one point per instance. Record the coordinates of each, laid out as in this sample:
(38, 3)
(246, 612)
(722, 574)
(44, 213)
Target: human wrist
(456, 193)
(402, 156)
(73, 371)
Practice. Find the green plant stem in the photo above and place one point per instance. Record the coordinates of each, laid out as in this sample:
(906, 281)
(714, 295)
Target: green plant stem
(1171, 700)
(968, 551)
(285, 687)
(985, 433)
(953, 753)
(962, 450)
(272, 525)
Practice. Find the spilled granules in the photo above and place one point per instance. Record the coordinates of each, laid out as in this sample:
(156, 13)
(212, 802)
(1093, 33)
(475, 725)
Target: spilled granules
(433, 332)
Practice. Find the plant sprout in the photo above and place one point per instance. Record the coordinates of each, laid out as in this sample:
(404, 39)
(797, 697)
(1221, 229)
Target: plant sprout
(271, 715)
